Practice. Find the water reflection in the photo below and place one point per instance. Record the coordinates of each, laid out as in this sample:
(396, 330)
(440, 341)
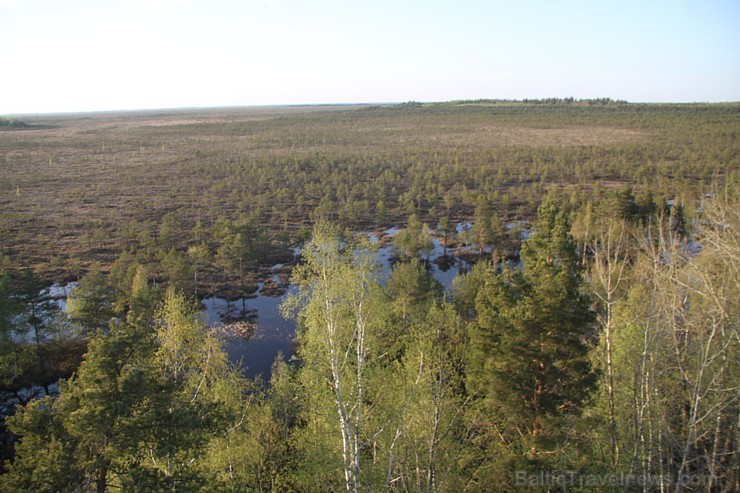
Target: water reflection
(274, 334)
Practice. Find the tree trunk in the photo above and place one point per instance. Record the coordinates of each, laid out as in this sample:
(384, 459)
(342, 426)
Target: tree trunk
(101, 484)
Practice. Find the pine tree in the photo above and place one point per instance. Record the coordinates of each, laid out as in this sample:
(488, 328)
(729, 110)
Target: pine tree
(143, 413)
(39, 313)
(44, 451)
(530, 360)
(90, 425)
(448, 230)
(90, 303)
(9, 350)
(414, 240)
(411, 289)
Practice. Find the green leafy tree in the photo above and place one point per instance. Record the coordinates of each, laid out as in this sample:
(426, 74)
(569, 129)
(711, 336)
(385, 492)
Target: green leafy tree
(426, 406)
(340, 308)
(608, 271)
(256, 454)
(676, 351)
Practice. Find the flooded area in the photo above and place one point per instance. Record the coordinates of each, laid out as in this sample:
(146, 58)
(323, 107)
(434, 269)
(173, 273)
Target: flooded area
(272, 333)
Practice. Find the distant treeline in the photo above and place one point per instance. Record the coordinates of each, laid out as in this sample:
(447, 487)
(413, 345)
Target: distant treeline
(12, 123)
(546, 101)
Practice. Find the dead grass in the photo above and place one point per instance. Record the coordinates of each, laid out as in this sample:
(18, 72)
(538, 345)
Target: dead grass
(69, 185)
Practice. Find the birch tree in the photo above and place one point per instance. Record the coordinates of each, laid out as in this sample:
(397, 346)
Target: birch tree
(340, 309)
(608, 271)
(424, 446)
(701, 315)
(675, 351)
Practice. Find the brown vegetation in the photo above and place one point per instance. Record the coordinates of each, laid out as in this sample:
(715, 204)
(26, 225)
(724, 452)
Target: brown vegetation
(78, 189)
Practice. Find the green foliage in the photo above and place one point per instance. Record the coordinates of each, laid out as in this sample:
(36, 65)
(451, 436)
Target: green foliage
(9, 350)
(411, 289)
(12, 123)
(90, 303)
(448, 230)
(427, 406)
(467, 286)
(414, 240)
(120, 277)
(241, 245)
(676, 352)
(530, 364)
(40, 327)
(179, 271)
(487, 230)
(392, 389)
(168, 232)
(140, 415)
(198, 233)
(431, 160)
(342, 310)
(44, 453)
(143, 298)
(199, 257)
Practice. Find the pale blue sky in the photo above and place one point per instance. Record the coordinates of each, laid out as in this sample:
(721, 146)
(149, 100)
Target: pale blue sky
(81, 55)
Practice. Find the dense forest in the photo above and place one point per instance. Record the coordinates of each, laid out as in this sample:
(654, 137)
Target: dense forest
(589, 343)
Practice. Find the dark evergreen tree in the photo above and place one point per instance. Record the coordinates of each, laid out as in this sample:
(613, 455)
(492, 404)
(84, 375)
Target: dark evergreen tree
(414, 240)
(8, 347)
(139, 415)
(411, 290)
(530, 362)
(90, 303)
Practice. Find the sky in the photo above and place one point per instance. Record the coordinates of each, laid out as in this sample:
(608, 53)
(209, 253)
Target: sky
(97, 55)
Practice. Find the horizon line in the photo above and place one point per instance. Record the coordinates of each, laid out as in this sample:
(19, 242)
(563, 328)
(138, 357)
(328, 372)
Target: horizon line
(545, 100)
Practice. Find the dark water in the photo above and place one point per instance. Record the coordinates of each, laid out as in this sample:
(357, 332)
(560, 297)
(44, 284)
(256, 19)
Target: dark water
(275, 334)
